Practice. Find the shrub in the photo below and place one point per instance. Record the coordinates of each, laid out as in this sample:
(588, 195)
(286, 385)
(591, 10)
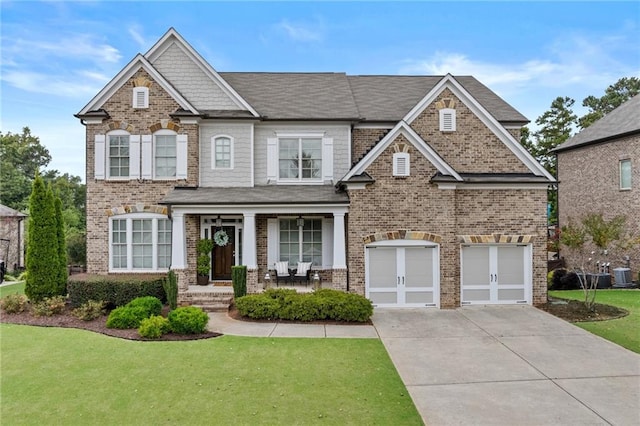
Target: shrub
(550, 279)
(89, 310)
(114, 290)
(239, 280)
(257, 306)
(126, 317)
(188, 320)
(49, 306)
(13, 303)
(170, 285)
(352, 308)
(151, 304)
(154, 327)
(302, 307)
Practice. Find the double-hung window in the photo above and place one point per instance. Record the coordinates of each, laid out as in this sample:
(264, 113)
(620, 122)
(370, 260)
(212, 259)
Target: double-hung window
(165, 150)
(118, 149)
(222, 152)
(140, 242)
(301, 241)
(625, 173)
(300, 158)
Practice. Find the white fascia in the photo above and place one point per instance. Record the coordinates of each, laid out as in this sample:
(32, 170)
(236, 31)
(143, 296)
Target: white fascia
(123, 76)
(171, 37)
(448, 81)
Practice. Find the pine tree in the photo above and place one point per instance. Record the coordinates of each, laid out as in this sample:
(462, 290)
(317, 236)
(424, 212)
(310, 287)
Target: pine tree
(61, 269)
(42, 245)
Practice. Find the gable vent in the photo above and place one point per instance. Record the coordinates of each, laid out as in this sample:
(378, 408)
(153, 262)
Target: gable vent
(141, 97)
(401, 164)
(447, 120)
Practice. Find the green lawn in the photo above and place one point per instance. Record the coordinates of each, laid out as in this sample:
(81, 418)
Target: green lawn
(624, 331)
(7, 289)
(68, 376)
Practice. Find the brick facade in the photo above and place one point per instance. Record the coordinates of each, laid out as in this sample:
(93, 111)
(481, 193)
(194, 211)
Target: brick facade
(589, 182)
(12, 228)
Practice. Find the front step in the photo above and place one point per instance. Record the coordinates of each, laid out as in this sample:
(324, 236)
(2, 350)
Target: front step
(209, 298)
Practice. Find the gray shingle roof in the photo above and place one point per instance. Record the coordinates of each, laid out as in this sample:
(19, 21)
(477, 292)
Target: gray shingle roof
(621, 121)
(9, 212)
(258, 195)
(295, 96)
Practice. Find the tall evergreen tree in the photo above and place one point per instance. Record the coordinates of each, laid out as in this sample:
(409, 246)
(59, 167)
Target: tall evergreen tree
(61, 267)
(42, 246)
(614, 96)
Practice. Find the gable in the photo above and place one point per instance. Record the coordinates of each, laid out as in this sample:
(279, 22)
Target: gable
(489, 122)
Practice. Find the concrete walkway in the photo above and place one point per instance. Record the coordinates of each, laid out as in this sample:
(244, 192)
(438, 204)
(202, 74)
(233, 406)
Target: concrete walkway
(509, 365)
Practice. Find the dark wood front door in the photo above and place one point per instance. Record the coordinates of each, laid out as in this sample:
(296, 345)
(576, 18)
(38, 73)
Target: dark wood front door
(224, 256)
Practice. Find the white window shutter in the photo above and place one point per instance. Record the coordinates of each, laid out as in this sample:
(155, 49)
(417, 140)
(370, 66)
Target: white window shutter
(272, 159)
(447, 120)
(181, 156)
(134, 156)
(272, 242)
(99, 157)
(327, 159)
(401, 164)
(147, 156)
(327, 243)
(141, 97)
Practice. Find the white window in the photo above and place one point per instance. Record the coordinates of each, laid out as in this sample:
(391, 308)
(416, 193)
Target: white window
(401, 164)
(447, 120)
(300, 241)
(118, 154)
(625, 174)
(222, 152)
(164, 154)
(141, 97)
(140, 242)
(300, 159)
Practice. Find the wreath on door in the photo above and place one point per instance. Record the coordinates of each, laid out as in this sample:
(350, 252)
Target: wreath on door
(221, 238)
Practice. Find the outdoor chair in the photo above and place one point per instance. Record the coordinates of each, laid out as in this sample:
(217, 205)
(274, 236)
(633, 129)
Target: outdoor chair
(282, 272)
(302, 273)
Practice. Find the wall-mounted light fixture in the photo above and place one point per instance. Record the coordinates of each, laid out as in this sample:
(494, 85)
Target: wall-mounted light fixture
(219, 221)
(300, 221)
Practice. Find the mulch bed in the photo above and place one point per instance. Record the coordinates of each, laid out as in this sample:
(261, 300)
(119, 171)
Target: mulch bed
(66, 320)
(576, 311)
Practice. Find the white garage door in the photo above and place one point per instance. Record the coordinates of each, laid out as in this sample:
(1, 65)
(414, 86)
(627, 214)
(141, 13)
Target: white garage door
(402, 276)
(496, 274)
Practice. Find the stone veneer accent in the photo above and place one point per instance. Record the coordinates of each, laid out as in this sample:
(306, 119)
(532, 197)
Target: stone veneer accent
(496, 238)
(402, 234)
(137, 208)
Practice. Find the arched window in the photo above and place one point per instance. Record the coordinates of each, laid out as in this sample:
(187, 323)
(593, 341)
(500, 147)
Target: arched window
(222, 152)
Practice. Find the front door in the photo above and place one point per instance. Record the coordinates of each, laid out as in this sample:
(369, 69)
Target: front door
(223, 254)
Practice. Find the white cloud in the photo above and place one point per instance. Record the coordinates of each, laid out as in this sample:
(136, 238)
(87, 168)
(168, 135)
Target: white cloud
(301, 32)
(67, 86)
(80, 46)
(136, 34)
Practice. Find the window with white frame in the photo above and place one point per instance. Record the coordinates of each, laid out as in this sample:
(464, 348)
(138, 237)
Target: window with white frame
(301, 241)
(164, 155)
(300, 158)
(625, 173)
(140, 242)
(222, 152)
(118, 152)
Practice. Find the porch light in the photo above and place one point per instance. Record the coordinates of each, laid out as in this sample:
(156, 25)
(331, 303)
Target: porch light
(218, 222)
(300, 221)
(316, 281)
(267, 281)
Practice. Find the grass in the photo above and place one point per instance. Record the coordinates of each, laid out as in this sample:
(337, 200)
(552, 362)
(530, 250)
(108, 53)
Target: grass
(623, 331)
(68, 376)
(7, 289)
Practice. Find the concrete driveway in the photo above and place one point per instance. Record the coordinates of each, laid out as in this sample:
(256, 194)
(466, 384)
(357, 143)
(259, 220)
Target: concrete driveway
(515, 365)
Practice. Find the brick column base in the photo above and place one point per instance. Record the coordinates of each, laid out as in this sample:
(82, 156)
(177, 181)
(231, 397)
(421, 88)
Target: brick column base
(339, 279)
(253, 284)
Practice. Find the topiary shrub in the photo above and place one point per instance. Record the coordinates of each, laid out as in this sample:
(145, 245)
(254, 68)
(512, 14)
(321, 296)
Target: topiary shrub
(126, 317)
(258, 306)
(89, 311)
(13, 303)
(239, 280)
(188, 320)
(151, 304)
(170, 285)
(49, 306)
(154, 327)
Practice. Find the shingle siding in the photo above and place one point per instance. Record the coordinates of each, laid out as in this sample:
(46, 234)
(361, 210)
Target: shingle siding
(240, 174)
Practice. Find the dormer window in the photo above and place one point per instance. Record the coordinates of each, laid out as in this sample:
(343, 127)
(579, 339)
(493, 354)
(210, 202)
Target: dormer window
(401, 164)
(141, 97)
(447, 120)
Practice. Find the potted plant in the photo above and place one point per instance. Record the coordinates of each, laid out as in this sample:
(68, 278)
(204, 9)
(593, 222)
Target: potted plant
(203, 262)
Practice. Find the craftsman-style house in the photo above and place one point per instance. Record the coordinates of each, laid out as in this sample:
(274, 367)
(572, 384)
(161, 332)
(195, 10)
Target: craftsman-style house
(410, 190)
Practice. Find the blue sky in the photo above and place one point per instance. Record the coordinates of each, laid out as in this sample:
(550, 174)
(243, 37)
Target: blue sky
(55, 55)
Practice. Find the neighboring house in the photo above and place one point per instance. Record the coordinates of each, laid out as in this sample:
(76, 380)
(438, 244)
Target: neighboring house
(12, 238)
(599, 172)
(410, 190)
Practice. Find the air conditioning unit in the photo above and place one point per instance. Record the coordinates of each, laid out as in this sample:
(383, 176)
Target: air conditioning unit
(622, 276)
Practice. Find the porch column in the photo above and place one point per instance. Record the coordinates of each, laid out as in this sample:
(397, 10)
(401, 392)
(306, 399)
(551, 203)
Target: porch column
(339, 252)
(178, 241)
(249, 249)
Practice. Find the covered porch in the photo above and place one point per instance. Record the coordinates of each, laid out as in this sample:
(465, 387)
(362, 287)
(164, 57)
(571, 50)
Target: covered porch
(258, 227)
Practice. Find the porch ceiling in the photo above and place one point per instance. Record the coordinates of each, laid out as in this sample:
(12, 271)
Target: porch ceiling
(257, 195)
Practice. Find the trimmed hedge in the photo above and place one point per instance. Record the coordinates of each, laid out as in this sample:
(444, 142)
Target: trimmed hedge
(188, 320)
(132, 314)
(324, 304)
(154, 327)
(114, 290)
